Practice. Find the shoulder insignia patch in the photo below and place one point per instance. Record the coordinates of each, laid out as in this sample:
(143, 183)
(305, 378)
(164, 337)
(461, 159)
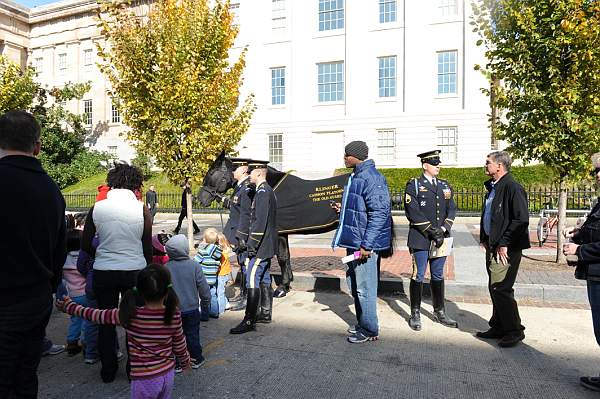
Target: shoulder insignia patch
(407, 198)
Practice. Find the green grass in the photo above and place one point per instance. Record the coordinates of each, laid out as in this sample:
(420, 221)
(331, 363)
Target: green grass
(89, 185)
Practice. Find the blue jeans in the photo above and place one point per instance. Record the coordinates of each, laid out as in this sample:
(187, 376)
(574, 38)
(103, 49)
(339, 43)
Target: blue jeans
(593, 288)
(420, 259)
(91, 334)
(78, 325)
(191, 329)
(218, 300)
(361, 277)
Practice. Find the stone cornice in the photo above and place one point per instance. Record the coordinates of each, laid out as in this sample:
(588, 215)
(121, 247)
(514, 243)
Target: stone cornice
(15, 10)
(61, 9)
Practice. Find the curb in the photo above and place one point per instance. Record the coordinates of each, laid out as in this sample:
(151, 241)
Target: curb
(319, 281)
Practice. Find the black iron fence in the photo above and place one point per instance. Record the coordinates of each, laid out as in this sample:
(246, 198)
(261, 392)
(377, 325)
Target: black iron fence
(469, 202)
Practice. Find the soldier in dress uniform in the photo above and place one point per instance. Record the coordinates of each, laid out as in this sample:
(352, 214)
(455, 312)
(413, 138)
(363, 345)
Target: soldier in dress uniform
(430, 209)
(262, 246)
(237, 227)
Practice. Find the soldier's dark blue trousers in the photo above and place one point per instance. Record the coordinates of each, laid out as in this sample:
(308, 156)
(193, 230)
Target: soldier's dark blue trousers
(257, 272)
(420, 260)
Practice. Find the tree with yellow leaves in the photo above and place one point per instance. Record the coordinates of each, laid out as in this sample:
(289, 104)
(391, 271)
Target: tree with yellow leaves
(178, 89)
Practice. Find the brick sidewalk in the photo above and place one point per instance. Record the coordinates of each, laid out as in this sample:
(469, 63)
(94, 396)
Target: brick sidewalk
(328, 262)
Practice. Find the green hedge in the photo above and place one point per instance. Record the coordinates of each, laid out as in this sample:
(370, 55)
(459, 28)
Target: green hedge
(469, 178)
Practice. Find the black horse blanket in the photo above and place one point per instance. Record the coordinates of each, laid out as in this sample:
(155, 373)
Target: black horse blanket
(303, 206)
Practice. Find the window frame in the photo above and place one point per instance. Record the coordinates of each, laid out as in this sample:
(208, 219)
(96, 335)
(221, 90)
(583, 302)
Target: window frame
(88, 114)
(278, 91)
(275, 152)
(441, 75)
(382, 80)
(331, 16)
(321, 82)
(385, 16)
(445, 140)
(383, 143)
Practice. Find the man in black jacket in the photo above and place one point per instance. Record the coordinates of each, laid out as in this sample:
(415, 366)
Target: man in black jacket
(586, 245)
(152, 201)
(504, 233)
(262, 246)
(237, 228)
(33, 248)
(183, 213)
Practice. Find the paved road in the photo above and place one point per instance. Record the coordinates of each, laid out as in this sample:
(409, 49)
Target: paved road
(303, 354)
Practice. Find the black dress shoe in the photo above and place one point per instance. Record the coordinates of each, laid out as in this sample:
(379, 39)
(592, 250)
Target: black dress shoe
(592, 383)
(489, 334)
(510, 340)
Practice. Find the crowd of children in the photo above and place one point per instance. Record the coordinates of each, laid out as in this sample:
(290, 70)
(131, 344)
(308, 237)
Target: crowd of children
(175, 289)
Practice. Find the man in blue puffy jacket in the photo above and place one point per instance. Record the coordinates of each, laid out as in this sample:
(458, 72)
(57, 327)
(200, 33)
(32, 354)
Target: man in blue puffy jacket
(365, 228)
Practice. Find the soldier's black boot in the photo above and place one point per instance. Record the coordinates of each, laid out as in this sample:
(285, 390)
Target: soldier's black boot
(439, 312)
(249, 322)
(240, 299)
(416, 292)
(266, 304)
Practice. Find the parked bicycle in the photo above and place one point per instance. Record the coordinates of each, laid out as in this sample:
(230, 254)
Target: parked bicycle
(549, 218)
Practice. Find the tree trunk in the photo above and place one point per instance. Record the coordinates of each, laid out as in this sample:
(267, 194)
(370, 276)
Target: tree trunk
(562, 221)
(190, 218)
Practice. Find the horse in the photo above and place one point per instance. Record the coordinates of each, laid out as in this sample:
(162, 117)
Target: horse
(303, 206)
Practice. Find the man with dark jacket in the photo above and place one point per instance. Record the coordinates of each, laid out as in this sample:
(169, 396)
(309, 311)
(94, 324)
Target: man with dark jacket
(504, 233)
(262, 246)
(183, 213)
(364, 229)
(33, 249)
(152, 201)
(586, 245)
(237, 228)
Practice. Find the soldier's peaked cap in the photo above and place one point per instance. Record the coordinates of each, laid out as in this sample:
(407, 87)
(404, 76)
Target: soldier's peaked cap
(430, 157)
(240, 161)
(254, 164)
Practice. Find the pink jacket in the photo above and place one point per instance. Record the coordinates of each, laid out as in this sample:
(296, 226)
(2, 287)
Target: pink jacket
(74, 281)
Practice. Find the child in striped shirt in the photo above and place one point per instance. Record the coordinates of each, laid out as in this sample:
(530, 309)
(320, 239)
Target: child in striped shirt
(209, 258)
(154, 331)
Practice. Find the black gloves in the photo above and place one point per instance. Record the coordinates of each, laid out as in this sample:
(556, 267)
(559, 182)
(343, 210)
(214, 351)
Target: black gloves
(436, 234)
(225, 201)
(241, 247)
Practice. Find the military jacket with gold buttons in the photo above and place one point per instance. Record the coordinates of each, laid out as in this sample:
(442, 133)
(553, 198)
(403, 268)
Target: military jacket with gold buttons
(427, 206)
(263, 224)
(238, 225)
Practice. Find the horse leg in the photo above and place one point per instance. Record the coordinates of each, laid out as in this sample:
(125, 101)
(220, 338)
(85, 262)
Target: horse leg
(283, 258)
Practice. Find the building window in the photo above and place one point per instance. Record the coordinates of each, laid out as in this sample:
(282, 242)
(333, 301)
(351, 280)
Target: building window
(387, 76)
(87, 112)
(331, 81)
(87, 57)
(446, 61)
(234, 8)
(448, 143)
(112, 150)
(115, 113)
(386, 146)
(278, 17)
(387, 11)
(62, 63)
(276, 151)
(331, 14)
(39, 65)
(278, 86)
(448, 7)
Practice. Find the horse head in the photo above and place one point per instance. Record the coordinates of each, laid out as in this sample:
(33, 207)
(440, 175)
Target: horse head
(217, 181)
